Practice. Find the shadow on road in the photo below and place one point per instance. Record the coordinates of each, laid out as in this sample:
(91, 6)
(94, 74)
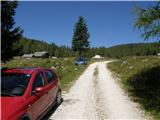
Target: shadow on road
(50, 112)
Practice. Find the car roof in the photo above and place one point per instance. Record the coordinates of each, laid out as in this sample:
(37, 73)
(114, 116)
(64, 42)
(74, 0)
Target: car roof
(22, 70)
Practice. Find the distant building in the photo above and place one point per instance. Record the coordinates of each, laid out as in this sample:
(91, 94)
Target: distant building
(97, 56)
(42, 54)
(28, 56)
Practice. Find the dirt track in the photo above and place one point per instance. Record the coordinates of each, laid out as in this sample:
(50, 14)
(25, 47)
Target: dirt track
(97, 97)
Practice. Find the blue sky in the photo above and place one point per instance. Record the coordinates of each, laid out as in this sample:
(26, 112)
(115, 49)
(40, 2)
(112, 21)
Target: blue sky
(109, 23)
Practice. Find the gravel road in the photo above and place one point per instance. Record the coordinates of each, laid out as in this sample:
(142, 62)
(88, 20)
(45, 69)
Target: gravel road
(97, 96)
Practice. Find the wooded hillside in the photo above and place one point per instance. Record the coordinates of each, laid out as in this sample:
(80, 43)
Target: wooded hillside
(119, 51)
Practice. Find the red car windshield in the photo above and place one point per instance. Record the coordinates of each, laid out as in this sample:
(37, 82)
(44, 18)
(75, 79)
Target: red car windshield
(14, 84)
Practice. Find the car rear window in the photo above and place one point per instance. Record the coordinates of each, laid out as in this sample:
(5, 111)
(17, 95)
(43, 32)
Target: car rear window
(14, 84)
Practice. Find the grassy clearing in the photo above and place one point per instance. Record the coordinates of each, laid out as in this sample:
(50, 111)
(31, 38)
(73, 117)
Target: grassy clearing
(140, 78)
(65, 67)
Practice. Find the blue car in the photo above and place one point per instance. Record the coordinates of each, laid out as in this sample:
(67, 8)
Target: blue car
(81, 61)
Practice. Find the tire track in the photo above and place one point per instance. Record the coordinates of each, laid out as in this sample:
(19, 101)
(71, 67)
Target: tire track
(99, 101)
(96, 96)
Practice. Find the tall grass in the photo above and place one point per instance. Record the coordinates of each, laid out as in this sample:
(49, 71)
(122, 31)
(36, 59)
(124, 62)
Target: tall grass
(67, 71)
(140, 77)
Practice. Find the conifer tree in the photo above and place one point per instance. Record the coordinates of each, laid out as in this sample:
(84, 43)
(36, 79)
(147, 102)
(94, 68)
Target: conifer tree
(80, 38)
(10, 34)
(148, 21)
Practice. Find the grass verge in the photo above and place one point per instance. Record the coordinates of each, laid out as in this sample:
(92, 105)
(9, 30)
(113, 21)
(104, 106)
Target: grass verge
(140, 78)
(65, 68)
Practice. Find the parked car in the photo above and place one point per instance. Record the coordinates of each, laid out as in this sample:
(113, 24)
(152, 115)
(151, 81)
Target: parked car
(81, 61)
(28, 93)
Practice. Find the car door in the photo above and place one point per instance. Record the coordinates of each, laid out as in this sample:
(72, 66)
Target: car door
(40, 103)
(52, 81)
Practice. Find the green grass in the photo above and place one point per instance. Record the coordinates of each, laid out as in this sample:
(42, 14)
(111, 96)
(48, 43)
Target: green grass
(140, 78)
(65, 68)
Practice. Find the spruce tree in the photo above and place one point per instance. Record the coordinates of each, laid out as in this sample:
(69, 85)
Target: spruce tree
(10, 34)
(148, 21)
(80, 38)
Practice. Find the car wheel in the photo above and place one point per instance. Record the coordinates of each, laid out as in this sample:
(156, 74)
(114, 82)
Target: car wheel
(59, 98)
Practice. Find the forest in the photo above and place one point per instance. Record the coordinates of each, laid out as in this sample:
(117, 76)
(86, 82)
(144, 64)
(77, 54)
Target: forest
(27, 46)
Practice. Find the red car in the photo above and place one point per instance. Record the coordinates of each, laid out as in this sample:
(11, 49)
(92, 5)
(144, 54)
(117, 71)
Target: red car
(28, 93)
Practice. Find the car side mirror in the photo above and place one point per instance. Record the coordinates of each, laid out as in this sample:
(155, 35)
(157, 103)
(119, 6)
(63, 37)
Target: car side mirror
(39, 91)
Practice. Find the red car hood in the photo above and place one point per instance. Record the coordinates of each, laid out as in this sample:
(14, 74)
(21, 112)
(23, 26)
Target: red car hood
(10, 104)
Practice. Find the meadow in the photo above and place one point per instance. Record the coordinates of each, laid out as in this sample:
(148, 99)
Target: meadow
(67, 71)
(140, 78)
